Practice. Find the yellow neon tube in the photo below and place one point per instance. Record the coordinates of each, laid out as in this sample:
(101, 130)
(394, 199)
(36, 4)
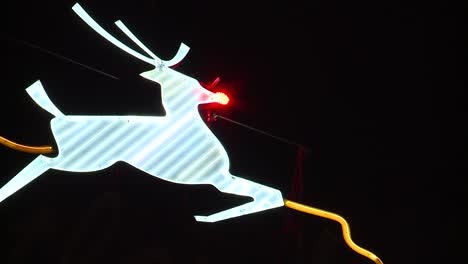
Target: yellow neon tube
(24, 148)
(339, 219)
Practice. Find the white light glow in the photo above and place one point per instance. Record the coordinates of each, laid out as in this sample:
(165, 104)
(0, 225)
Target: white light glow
(178, 147)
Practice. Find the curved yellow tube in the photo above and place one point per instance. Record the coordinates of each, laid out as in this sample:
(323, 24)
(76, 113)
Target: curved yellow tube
(24, 148)
(339, 219)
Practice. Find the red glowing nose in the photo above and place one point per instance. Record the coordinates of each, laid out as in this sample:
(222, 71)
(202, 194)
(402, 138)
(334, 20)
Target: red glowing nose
(221, 98)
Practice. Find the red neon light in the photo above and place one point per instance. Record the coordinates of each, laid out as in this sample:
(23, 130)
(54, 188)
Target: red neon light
(221, 98)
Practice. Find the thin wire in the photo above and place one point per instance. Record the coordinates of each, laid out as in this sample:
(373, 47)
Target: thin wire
(287, 141)
(24, 148)
(54, 54)
(339, 219)
(49, 149)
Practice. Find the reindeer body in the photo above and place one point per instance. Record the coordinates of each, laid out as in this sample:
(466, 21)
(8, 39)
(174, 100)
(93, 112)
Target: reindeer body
(159, 146)
(177, 147)
(146, 142)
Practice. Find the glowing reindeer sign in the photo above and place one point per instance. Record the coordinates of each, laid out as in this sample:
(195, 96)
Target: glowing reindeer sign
(177, 147)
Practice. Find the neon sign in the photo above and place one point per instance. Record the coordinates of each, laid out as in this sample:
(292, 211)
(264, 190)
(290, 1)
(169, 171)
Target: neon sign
(177, 147)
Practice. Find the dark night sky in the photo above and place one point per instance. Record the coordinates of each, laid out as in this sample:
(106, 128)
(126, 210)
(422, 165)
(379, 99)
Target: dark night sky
(374, 89)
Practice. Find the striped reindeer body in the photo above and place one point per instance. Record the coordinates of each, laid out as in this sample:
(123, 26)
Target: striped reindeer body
(176, 150)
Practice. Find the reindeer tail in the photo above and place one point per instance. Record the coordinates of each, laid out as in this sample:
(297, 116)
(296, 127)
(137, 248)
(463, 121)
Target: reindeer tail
(38, 94)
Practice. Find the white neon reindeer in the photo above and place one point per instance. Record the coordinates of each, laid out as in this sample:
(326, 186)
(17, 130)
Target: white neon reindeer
(177, 147)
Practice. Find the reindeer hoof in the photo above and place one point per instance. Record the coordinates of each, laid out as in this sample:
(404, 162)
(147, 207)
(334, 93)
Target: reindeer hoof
(200, 218)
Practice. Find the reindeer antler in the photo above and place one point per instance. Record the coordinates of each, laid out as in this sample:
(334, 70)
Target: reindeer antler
(181, 53)
(154, 60)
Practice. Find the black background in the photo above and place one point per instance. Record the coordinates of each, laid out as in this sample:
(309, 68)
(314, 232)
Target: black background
(374, 89)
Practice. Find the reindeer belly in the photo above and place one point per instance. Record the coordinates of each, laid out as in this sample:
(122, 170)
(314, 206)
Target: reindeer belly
(191, 154)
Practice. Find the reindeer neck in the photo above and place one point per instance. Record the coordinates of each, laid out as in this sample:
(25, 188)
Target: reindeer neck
(177, 91)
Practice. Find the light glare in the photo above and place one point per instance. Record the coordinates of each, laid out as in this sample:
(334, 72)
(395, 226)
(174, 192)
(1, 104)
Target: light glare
(221, 98)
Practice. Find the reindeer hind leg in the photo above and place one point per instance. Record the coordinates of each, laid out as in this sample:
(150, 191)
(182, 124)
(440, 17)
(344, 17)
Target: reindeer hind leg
(33, 170)
(264, 198)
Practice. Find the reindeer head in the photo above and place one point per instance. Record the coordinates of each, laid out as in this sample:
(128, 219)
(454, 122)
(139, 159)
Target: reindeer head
(178, 90)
